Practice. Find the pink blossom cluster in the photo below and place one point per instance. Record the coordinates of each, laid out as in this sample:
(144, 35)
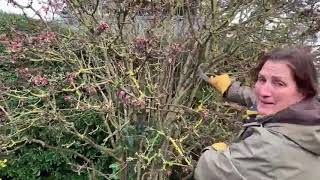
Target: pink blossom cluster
(45, 8)
(67, 98)
(89, 90)
(12, 45)
(204, 114)
(18, 40)
(70, 77)
(54, 5)
(57, 4)
(23, 73)
(3, 37)
(15, 45)
(140, 43)
(13, 59)
(175, 49)
(101, 28)
(130, 100)
(40, 80)
(45, 37)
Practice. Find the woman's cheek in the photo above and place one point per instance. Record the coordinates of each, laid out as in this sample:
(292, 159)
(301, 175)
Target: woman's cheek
(256, 89)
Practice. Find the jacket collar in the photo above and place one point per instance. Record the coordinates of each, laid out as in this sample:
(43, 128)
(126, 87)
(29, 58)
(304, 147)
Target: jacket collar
(300, 123)
(306, 112)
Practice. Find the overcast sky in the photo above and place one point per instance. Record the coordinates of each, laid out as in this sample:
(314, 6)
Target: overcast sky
(37, 4)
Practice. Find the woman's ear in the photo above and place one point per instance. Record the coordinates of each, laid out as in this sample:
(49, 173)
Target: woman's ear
(303, 94)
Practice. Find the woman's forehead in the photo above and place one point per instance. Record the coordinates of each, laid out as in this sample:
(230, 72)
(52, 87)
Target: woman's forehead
(277, 69)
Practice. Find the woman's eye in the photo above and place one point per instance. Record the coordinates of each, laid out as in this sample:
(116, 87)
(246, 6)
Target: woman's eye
(279, 83)
(260, 79)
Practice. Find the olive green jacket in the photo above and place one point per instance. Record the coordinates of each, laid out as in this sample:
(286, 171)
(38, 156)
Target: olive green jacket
(284, 146)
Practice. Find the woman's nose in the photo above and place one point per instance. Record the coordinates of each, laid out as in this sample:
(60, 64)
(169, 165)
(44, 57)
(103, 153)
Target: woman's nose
(265, 90)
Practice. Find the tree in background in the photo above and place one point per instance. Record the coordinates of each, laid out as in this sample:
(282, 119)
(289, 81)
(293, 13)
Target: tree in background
(115, 95)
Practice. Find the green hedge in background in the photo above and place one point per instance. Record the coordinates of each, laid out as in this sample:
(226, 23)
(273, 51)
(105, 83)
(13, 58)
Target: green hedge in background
(17, 22)
(32, 162)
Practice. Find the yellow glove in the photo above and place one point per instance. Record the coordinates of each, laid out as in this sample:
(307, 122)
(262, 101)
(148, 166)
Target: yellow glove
(221, 82)
(219, 146)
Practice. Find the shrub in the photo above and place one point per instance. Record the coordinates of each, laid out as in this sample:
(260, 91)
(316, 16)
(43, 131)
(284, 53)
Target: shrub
(117, 95)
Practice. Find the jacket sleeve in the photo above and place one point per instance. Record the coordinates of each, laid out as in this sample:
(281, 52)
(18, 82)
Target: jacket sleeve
(250, 158)
(216, 165)
(243, 95)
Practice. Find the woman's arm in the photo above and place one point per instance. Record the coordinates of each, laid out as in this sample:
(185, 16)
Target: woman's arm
(252, 157)
(231, 90)
(243, 95)
(216, 165)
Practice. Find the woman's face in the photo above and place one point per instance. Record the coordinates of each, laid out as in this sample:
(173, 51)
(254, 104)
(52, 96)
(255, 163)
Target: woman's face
(276, 88)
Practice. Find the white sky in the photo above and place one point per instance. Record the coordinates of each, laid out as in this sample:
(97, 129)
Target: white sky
(36, 4)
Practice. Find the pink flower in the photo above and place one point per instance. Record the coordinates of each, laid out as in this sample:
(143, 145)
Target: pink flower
(15, 46)
(23, 72)
(40, 81)
(140, 43)
(175, 49)
(121, 94)
(57, 4)
(67, 98)
(45, 8)
(127, 98)
(45, 37)
(101, 27)
(89, 89)
(70, 77)
(3, 37)
(13, 60)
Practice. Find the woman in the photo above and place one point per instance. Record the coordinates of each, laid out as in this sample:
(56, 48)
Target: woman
(283, 142)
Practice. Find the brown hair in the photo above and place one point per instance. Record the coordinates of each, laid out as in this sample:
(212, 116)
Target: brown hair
(300, 62)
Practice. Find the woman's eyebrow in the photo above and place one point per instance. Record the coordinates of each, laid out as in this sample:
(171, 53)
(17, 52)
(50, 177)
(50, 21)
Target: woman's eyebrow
(274, 77)
(279, 77)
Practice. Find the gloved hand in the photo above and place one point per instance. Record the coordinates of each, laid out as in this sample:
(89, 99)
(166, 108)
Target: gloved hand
(219, 146)
(220, 82)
